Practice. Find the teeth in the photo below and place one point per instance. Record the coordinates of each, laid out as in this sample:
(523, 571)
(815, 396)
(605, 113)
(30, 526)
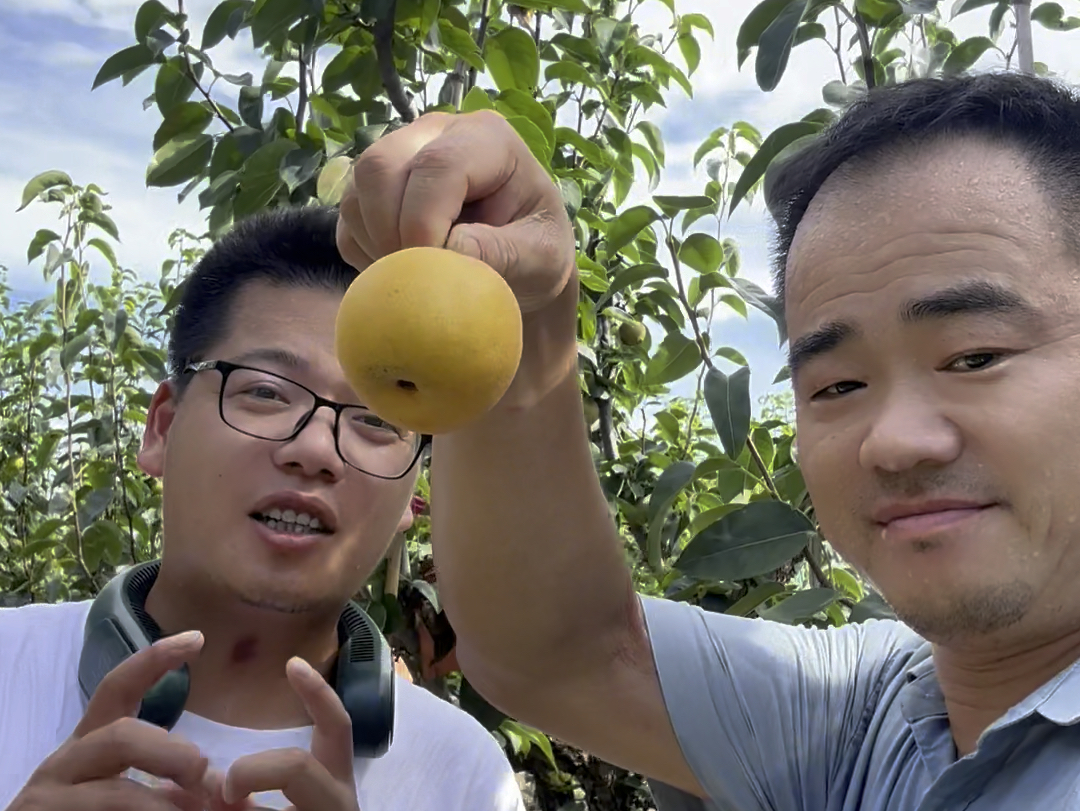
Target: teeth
(292, 519)
(290, 528)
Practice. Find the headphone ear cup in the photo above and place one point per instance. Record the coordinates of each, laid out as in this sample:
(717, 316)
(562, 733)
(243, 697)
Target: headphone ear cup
(365, 682)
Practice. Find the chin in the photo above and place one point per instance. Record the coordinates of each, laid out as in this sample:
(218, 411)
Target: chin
(964, 611)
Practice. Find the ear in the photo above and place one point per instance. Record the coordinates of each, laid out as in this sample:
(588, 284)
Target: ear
(159, 419)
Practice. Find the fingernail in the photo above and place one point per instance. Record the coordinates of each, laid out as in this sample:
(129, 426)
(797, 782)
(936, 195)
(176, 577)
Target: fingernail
(302, 667)
(227, 791)
(182, 640)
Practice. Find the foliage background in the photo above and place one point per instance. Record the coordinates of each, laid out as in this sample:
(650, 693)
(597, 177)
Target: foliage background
(710, 500)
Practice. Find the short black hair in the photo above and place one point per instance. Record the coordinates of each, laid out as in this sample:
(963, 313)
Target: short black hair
(289, 246)
(1037, 117)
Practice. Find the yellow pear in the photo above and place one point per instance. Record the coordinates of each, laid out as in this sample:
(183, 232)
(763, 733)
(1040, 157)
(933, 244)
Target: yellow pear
(429, 338)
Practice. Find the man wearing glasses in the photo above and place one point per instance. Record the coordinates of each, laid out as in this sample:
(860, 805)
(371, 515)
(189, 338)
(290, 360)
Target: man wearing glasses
(281, 495)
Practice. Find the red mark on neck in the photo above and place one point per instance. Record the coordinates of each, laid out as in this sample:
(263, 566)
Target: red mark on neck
(244, 650)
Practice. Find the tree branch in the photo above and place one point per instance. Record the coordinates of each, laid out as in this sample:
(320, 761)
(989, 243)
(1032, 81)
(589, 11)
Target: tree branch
(1025, 55)
(191, 74)
(481, 35)
(301, 104)
(391, 80)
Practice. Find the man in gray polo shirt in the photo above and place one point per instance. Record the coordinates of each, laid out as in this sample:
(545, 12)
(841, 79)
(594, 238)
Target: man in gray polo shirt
(928, 262)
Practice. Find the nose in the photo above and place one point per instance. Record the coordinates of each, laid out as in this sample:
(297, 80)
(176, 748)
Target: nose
(908, 431)
(313, 451)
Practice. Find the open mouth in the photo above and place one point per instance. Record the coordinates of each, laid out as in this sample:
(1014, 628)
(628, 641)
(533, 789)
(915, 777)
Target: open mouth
(290, 522)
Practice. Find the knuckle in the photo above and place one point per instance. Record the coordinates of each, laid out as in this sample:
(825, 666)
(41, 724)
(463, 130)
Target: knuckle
(433, 158)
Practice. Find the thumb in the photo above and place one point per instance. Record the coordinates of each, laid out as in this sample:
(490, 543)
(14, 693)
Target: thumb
(533, 254)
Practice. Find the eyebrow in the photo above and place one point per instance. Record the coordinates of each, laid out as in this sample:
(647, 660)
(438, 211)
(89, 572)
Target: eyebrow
(970, 298)
(276, 355)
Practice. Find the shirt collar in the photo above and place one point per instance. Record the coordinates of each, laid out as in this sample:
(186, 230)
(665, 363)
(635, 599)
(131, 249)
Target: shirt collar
(1058, 700)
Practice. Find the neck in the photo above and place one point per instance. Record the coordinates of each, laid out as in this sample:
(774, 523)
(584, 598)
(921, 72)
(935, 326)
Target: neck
(981, 684)
(239, 676)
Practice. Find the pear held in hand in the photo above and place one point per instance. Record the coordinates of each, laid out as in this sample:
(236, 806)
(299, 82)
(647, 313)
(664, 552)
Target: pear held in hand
(429, 339)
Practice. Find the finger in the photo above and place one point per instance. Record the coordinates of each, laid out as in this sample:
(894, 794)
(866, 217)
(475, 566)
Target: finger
(353, 242)
(331, 739)
(121, 691)
(348, 237)
(525, 252)
(380, 176)
(132, 744)
(295, 773)
(120, 794)
(475, 156)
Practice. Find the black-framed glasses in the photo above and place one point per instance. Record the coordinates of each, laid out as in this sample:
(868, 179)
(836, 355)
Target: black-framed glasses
(265, 405)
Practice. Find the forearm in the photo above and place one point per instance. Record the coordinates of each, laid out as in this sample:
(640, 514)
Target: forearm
(532, 571)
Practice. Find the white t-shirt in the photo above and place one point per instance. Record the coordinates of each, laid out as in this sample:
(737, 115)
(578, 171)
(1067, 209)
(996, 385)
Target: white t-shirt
(440, 759)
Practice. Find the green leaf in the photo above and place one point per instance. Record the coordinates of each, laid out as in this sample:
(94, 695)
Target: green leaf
(755, 597)
(872, 606)
(105, 249)
(654, 138)
(749, 542)
(260, 177)
(677, 357)
(691, 52)
(512, 60)
(537, 142)
(137, 57)
(102, 540)
(476, 99)
(271, 19)
(728, 400)
(519, 103)
(333, 180)
(172, 85)
(623, 229)
(460, 43)
(671, 482)
(966, 54)
(688, 21)
(589, 150)
(224, 16)
(770, 148)
(627, 277)
(299, 167)
(1052, 16)
(149, 17)
(104, 222)
(37, 245)
(186, 118)
(671, 205)
(339, 70)
(249, 104)
(43, 182)
(759, 19)
(963, 6)
(180, 160)
(72, 349)
(701, 252)
(568, 72)
(775, 43)
(800, 606)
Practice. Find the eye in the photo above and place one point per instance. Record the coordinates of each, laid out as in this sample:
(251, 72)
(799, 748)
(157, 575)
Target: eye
(263, 392)
(974, 361)
(837, 390)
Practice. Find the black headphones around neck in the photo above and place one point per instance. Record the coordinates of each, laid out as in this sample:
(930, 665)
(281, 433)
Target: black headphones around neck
(118, 626)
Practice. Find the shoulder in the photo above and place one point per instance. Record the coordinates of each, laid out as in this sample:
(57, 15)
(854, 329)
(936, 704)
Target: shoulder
(45, 624)
(422, 713)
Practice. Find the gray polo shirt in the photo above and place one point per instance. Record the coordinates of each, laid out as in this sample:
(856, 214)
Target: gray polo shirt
(773, 717)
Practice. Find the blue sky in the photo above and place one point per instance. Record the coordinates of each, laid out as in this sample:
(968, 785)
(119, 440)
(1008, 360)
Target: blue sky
(53, 49)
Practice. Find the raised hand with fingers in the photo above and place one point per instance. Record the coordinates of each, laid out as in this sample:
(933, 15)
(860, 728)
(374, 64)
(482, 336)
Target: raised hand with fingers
(317, 780)
(88, 771)
(468, 182)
